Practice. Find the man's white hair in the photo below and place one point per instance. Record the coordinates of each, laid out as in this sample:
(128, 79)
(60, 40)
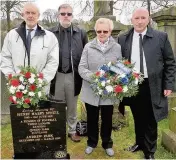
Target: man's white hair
(31, 4)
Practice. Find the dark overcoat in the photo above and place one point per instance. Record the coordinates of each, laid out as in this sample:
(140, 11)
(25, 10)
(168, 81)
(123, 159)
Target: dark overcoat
(160, 63)
(78, 41)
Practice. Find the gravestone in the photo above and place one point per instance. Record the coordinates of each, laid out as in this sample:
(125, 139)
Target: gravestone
(5, 118)
(39, 132)
(166, 21)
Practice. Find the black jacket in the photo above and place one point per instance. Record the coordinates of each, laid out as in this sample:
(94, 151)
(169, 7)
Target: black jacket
(160, 63)
(78, 41)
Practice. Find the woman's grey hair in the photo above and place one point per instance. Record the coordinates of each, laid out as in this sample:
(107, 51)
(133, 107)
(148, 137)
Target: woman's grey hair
(104, 21)
(65, 6)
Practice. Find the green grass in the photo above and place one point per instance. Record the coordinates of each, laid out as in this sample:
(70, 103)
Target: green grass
(122, 139)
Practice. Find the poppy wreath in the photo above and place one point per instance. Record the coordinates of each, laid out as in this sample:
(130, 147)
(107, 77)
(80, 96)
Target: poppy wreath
(116, 80)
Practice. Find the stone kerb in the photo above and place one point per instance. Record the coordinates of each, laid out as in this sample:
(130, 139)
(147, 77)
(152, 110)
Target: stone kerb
(169, 135)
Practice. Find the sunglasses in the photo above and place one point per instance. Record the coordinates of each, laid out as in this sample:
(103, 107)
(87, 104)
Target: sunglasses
(105, 32)
(64, 14)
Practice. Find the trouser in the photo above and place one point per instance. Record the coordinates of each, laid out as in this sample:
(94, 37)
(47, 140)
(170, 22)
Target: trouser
(65, 91)
(93, 127)
(144, 120)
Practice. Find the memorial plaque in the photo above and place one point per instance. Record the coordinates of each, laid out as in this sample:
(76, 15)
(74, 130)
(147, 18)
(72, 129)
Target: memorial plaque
(40, 129)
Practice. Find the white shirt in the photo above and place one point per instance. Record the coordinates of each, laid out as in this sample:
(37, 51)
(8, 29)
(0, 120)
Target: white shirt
(135, 54)
(32, 32)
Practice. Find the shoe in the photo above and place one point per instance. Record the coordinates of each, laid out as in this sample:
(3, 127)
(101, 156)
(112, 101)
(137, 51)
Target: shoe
(109, 152)
(133, 148)
(150, 156)
(74, 137)
(89, 150)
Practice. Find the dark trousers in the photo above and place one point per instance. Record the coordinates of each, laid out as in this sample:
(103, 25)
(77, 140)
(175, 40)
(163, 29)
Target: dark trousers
(144, 120)
(93, 127)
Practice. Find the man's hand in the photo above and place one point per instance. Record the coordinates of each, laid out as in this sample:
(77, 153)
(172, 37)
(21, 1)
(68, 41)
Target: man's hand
(167, 92)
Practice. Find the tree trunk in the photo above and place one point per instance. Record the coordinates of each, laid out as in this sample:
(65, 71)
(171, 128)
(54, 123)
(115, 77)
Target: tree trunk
(148, 6)
(8, 21)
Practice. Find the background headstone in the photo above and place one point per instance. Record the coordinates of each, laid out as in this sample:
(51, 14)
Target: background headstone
(166, 21)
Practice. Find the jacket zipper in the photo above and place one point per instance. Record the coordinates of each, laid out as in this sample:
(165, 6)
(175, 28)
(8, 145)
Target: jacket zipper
(72, 67)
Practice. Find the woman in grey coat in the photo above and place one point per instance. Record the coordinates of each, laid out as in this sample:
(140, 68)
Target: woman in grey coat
(99, 51)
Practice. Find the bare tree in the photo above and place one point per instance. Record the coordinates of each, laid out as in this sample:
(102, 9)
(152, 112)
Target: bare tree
(121, 6)
(50, 16)
(9, 7)
(155, 5)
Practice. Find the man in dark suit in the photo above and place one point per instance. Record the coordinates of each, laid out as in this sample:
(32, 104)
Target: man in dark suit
(152, 54)
(67, 82)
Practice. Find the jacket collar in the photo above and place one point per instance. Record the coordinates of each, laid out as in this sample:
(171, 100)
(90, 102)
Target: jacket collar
(57, 28)
(111, 40)
(149, 32)
(21, 30)
(94, 44)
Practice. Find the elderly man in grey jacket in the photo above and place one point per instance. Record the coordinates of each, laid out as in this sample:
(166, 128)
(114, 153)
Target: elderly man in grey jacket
(30, 44)
(99, 51)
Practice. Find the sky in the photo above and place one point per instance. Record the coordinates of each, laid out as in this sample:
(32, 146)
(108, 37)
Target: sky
(54, 4)
(48, 4)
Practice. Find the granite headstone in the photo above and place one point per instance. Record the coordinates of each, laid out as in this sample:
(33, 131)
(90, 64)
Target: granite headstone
(40, 131)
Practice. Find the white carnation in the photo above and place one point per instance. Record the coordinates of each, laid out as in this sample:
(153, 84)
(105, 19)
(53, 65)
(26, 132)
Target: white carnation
(100, 91)
(103, 83)
(25, 91)
(109, 64)
(33, 75)
(109, 88)
(31, 94)
(39, 94)
(21, 87)
(136, 81)
(40, 80)
(125, 89)
(21, 79)
(31, 80)
(39, 85)
(12, 89)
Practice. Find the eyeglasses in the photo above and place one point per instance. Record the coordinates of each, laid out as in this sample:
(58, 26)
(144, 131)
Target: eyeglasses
(105, 32)
(64, 14)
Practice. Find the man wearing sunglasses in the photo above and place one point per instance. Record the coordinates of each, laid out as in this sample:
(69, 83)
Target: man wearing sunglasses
(67, 82)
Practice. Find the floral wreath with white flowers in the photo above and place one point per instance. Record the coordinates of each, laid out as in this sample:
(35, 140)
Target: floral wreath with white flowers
(26, 88)
(116, 80)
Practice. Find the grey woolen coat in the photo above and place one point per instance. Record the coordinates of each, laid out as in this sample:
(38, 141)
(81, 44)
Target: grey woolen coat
(92, 58)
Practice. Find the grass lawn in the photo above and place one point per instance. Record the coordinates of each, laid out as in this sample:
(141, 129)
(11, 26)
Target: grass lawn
(121, 139)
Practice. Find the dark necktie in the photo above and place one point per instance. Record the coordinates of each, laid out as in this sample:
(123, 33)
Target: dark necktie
(65, 52)
(28, 41)
(141, 54)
